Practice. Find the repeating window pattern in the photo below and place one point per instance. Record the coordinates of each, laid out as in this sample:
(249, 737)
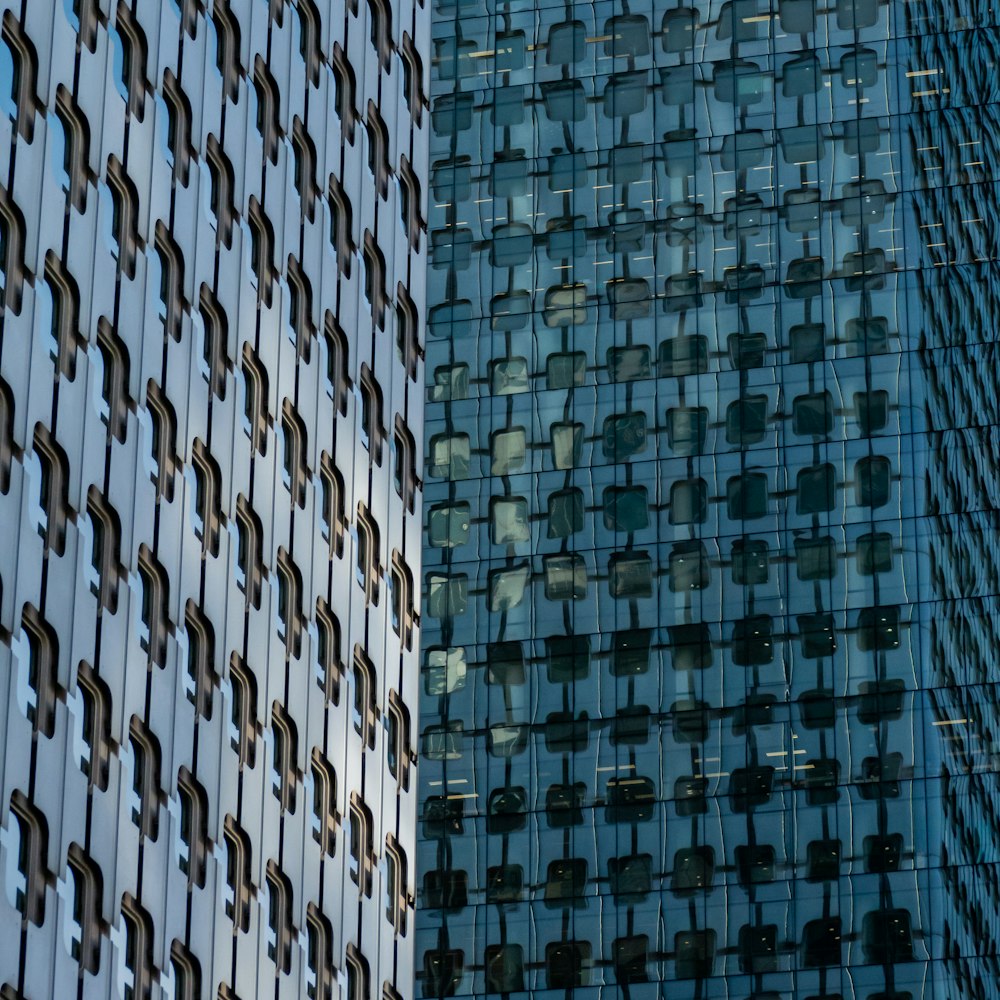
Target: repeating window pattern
(212, 308)
(708, 649)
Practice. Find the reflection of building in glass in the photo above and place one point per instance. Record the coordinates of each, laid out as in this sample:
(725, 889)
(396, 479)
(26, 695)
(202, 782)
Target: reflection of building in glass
(209, 497)
(709, 625)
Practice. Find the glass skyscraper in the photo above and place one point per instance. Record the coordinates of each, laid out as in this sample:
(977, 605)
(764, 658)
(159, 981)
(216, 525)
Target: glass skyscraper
(710, 625)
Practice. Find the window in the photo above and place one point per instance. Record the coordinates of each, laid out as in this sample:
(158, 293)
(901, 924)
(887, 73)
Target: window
(369, 568)
(375, 294)
(399, 755)
(227, 52)
(364, 705)
(76, 148)
(115, 367)
(338, 379)
(53, 489)
(261, 249)
(304, 175)
(872, 481)
(93, 726)
(397, 897)
(12, 241)
(64, 335)
(27, 893)
(294, 453)
(327, 663)
(450, 455)
(37, 672)
(746, 496)
(332, 491)
(154, 600)
(137, 954)
(442, 972)
(300, 306)
(346, 91)
(694, 954)
(413, 75)
(243, 711)
(192, 834)
(223, 183)
(171, 280)
(403, 615)
(688, 502)
(124, 215)
(358, 976)
(319, 953)
(249, 551)
(758, 949)
(132, 67)
(341, 225)
(215, 362)
(144, 799)
(186, 970)
(268, 105)
(567, 964)
(83, 913)
(289, 603)
(309, 36)
(284, 756)
(378, 146)
(256, 417)
(239, 885)
(199, 677)
(409, 202)
(361, 844)
(104, 566)
(25, 74)
(179, 119)
(279, 917)
(206, 506)
(746, 420)
(408, 349)
(163, 438)
(504, 968)
(324, 803)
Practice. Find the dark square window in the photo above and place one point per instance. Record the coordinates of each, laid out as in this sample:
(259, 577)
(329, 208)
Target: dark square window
(630, 800)
(812, 414)
(694, 954)
(747, 350)
(881, 701)
(872, 410)
(758, 948)
(567, 964)
(565, 733)
(746, 420)
(816, 558)
(757, 710)
(504, 968)
(883, 854)
(746, 496)
(878, 629)
(630, 877)
(880, 776)
(446, 889)
(816, 489)
(817, 708)
(630, 652)
(806, 340)
(820, 780)
(504, 884)
(690, 721)
(626, 508)
(823, 860)
(690, 796)
(624, 436)
(886, 937)
(868, 336)
(750, 787)
(755, 865)
(688, 501)
(689, 566)
(567, 658)
(753, 642)
(629, 956)
(564, 804)
(683, 355)
(565, 512)
(505, 663)
(875, 553)
(630, 726)
(821, 943)
(566, 883)
(750, 561)
(871, 481)
(686, 429)
(694, 870)
(691, 646)
(506, 809)
(817, 635)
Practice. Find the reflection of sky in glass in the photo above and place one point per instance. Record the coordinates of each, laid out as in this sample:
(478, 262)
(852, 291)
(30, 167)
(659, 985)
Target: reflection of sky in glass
(708, 266)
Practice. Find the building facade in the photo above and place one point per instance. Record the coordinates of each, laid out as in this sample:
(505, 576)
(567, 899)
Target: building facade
(709, 668)
(210, 407)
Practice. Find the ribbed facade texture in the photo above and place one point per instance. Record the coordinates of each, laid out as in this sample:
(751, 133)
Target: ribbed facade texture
(709, 702)
(212, 252)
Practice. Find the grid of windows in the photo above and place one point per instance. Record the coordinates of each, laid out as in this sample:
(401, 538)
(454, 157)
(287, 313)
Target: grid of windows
(190, 366)
(709, 628)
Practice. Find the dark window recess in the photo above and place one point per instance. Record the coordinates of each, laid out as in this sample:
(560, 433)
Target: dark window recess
(755, 864)
(694, 870)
